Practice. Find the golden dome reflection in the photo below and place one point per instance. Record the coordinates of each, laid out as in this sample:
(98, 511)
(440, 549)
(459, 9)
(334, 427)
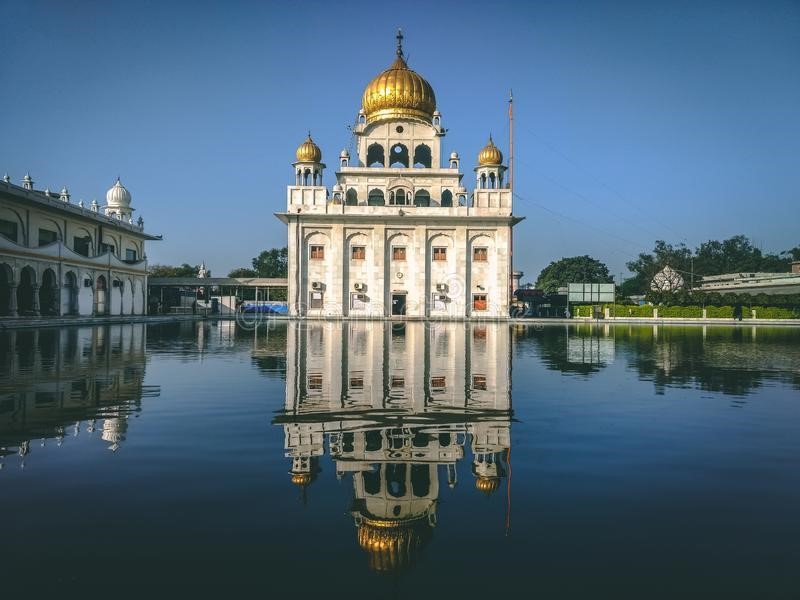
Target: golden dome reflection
(490, 156)
(393, 545)
(308, 151)
(301, 479)
(487, 485)
(398, 92)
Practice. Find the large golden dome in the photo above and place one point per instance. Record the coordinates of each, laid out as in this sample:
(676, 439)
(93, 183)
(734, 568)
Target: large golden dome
(490, 156)
(308, 151)
(399, 93)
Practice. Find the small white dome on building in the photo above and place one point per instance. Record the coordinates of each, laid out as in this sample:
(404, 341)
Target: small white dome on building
(338, 187)
(118, 195)
(344, 154)
(454, 156)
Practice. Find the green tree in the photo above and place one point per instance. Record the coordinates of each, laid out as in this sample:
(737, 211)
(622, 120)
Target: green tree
(243, 272)
(185, 270)
(584, 269)
(794, 253)
(272, 263)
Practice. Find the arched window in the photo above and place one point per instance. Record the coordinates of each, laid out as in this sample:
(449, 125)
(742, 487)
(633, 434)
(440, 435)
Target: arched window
(398, 157)
(422, 198)
(483, 181)
(398, 197)
(492, 181)
(396, 479)
(351, 199)
(376, 156)
(422, 156)
(307, 177)
(447, 198)
(376, 198)
(420, 480)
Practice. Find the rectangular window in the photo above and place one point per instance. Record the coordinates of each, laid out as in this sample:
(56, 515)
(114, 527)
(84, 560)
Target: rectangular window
(81, 245)
(8, 229)
(480, 254)
(358, 253)
(316, 300)
(130, 255)
(440, 254)
(479, 382)
(438, 383)
(315, 381)
(398, 382)
(356, 382)
(106, 248)
(478, 301)
(47, 237)
(398, 253)
(317, 252)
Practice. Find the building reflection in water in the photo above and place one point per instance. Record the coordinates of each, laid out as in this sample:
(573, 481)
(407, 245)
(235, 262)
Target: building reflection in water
(60, 383)
(398, 406)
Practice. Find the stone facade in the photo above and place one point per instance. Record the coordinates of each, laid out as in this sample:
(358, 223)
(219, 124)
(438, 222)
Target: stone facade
(399, 235)
(60, 258)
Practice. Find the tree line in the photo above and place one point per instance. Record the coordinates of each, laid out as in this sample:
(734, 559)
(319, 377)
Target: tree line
(273, 263)
(737, 254)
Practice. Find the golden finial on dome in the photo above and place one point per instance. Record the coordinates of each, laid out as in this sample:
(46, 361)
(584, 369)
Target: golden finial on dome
(308, 151)
(487, 485)
(398, 92)
(490, 156)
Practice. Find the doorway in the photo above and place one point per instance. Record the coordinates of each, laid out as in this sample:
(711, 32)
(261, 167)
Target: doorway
(399, 304)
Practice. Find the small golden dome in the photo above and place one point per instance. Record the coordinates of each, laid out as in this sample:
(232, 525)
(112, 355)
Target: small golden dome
(398, 93)
(487, 485)
(392, 545)
(490, 156)
(301, 479)
(308, 151)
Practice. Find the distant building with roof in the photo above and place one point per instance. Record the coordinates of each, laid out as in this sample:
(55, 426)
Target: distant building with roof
(753, 283)
(58, 257)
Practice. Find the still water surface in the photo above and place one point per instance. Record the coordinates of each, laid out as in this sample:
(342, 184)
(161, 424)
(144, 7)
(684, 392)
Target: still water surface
(368, 460)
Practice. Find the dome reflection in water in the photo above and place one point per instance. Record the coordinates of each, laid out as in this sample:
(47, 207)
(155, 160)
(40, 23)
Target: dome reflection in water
(397, 406)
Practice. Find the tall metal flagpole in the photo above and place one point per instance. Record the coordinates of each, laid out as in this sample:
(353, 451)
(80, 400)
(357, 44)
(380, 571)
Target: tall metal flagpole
(511, 187)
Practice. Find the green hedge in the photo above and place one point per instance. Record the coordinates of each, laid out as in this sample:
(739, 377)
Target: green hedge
(721, 312)
(689, 312)
(772, 312)
(684, 312)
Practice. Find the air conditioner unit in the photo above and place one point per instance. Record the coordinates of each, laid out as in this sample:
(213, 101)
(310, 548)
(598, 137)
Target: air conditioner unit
(362, 297)
(316, 285)
(360, 287)
(441, 287)
(87, 282)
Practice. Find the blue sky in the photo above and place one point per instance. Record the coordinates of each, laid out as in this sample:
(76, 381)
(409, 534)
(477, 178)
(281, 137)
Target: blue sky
(633, 121)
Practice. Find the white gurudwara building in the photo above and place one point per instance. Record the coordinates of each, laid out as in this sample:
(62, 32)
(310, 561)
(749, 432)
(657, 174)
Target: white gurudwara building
(63, 258)
(399, 234)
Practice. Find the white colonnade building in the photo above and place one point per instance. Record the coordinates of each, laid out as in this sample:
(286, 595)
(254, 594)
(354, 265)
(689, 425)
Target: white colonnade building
(59, 257)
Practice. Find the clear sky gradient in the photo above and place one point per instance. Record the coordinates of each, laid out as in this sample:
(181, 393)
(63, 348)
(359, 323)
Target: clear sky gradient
(634, 121)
